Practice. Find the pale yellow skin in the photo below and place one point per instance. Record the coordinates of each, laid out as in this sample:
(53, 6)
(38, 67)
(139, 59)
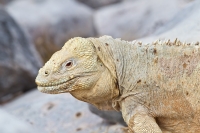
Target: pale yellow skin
(156, 86)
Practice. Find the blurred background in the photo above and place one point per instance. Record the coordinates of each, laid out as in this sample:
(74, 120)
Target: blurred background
(32, 30)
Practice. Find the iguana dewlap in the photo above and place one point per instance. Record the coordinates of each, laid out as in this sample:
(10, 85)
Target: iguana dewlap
(156, 86)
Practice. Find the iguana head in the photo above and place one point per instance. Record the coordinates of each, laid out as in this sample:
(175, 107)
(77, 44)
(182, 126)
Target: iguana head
(77, 69)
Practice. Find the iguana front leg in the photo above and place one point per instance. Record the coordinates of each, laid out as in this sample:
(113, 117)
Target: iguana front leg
(137, 118)
(142, 123)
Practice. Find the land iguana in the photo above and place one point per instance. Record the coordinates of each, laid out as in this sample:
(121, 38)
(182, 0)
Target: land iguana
(156, 86)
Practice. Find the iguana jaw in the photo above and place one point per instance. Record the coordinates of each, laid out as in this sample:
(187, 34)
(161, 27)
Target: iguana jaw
(57, 87)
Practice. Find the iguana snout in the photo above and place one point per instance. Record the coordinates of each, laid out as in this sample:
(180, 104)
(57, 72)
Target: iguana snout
(48, 83)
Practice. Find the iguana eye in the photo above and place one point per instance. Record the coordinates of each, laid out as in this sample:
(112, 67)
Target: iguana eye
(69, 64)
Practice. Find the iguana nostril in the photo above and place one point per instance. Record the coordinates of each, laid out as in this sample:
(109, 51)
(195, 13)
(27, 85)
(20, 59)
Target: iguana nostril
(46, 73)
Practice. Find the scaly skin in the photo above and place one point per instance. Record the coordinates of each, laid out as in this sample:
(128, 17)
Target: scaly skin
(156, 86)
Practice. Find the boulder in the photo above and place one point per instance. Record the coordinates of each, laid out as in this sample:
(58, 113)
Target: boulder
(11, 124)
(98, 3)
(50, 23)
(185, 26)
(58, 114)
(19, 60)
(130, 20)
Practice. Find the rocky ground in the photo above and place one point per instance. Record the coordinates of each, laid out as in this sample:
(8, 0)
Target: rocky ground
(58, 114)
(31, 30)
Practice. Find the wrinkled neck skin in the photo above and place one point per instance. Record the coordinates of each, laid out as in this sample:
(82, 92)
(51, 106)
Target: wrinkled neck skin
(117, 56)
(102, 93)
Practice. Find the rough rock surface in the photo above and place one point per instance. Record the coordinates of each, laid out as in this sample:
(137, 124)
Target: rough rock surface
(58, 114)
(19, 61)
(134, 19)
(11, 124)
(50, 23)
(98, 3)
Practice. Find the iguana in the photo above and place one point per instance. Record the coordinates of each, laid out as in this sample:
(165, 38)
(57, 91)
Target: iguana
(156, 86)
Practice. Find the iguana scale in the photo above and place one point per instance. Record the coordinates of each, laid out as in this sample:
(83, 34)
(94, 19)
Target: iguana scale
(156, 86)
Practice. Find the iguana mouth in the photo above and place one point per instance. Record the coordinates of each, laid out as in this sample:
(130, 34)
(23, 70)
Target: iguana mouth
(57, 87)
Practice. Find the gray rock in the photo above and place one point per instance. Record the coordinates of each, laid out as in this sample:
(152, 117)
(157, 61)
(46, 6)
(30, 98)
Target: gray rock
(19, 61)
(110, 116)
(58, 114)
(3, 2)
(11, 124)
(50, 23)
(98, 3)
(185, 26)
(135, 19)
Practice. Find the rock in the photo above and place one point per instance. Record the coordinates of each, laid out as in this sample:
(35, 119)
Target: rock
(185, 26)
(3, 2)
(11, 124)
(98, 3)
(135, 19)
(50, 23)
(58, 114)
(110, 116)
(19, 60)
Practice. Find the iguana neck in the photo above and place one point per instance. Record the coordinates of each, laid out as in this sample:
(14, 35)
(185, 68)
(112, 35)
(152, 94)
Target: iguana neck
(125, 60)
